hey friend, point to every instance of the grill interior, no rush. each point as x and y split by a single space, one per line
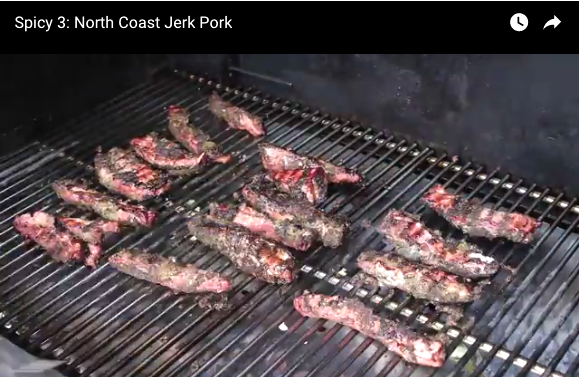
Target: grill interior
104 323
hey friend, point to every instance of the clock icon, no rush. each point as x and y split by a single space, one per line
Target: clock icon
519 22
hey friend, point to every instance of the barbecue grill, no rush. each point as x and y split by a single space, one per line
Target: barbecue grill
105 323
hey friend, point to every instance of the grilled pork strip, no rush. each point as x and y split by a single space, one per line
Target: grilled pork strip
279 159
123 173
186 278
478 221
166 154
95 253
280 206
41 228
192 138
250 253
280 231
411 346
309 184
92 232
423 282
79 194
415 242
236 117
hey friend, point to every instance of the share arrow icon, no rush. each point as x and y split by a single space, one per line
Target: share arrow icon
553 22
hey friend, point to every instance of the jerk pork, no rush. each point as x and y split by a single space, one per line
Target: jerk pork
79 194
122 172
279 159
192 138
284 232
165 154
308 184
92 232
236 117
478 221
411 346
420 281
414 241
249 252
185 278
280 206
41 228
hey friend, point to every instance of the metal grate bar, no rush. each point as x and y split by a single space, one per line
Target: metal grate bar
531 303
523 285
69 136
573 335
80 268
294 326
106 323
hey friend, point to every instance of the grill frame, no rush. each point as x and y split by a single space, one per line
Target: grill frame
355 137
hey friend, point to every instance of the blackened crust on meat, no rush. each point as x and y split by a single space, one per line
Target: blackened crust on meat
423 282
41 228
95 252
414 241
165 154
285 232
308 184
250 253
79 194
236 117
263 196
478 221
278 159
123 173
411 346
186 278
192 138
93 232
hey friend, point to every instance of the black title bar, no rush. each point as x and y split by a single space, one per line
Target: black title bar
440 26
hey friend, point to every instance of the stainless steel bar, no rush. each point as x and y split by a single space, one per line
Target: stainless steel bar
399 307
549 338
519 290
196 192
69 276
532 300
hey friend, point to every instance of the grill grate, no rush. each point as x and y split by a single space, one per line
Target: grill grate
104 323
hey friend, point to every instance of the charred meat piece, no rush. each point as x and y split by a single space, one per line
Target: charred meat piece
166 154
93 232
236 117
279 206
79 194
411 346
248 252
122 172
95 252
279 159
423 282
478 221
186 278
414 241
192 138
42 229
284 232
308 184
